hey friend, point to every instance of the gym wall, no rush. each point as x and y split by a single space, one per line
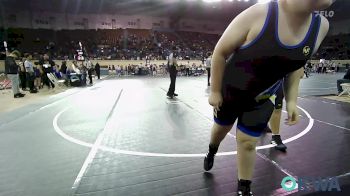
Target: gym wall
58 21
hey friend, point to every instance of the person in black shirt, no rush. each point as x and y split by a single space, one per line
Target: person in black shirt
47 65
98 70
346 79
63 68
257 54
22 75
11 71
63 71
307 68
172 63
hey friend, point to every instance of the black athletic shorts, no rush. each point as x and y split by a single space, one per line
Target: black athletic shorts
253 114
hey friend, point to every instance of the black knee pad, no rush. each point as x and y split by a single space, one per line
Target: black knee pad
279 98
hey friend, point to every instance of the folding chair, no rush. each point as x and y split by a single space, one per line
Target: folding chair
4 82
346 89
74 80
54 80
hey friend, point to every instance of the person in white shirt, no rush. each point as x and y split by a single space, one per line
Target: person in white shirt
90 68
119 70
208 66
188 66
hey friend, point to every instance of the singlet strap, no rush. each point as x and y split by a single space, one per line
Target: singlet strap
273 7
314 34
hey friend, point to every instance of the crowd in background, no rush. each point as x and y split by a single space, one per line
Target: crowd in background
116 44
126 44
32 75
184 69
135 44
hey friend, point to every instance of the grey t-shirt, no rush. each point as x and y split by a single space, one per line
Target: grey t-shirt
29 66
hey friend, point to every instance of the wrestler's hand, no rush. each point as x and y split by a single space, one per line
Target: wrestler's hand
215 100
293 114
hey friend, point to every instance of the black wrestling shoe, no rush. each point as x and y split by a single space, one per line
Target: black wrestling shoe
19 95
243 188
209 161
170 96
209 158
276 140
176 95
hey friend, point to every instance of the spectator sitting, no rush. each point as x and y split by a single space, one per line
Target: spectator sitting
346 79
56 71
74 68
47 66
63 69
73 74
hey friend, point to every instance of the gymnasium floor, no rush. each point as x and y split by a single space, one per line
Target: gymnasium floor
124 137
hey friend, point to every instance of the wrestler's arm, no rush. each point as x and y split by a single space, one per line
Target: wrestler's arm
292 80
234 37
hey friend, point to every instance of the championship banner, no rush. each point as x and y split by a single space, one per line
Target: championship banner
41 21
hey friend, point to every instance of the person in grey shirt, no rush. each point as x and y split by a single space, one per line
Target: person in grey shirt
11 71
30 73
